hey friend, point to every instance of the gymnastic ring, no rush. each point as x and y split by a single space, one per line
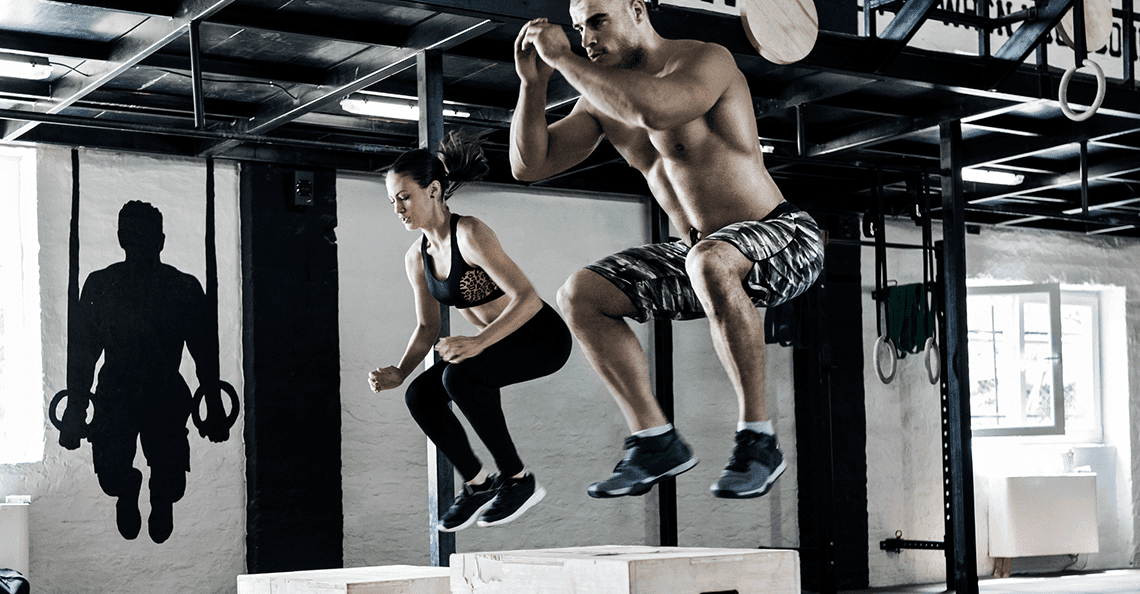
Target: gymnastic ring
53 416
888 377
200 394
1063 93
933 360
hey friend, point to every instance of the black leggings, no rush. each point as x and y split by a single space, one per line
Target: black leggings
539 347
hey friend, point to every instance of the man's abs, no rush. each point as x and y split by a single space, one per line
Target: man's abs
708 196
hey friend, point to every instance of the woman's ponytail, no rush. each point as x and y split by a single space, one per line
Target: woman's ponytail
459 160
463 161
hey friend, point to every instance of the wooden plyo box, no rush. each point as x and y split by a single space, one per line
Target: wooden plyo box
388 579
627 570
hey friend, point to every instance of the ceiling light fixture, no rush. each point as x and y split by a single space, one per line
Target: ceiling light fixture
24 66
988 176
391 109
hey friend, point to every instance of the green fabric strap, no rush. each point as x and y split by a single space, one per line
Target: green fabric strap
910 321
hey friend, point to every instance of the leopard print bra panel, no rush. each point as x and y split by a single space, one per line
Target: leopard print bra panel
466 286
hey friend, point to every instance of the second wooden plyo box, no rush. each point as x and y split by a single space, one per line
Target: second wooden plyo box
627 570
387 579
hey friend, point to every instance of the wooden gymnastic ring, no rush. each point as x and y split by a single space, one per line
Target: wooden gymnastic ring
1063 93
933 360
876 356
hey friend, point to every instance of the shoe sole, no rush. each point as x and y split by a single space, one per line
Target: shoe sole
644 486
539 493
474 517
758 492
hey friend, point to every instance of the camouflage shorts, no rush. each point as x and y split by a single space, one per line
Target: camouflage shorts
786 249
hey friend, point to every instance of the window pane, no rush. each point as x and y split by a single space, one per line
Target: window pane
1078 334
992 348
1037 366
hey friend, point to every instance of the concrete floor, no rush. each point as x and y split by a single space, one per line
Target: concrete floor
1122 581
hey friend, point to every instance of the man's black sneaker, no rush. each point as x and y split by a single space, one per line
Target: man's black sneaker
513 497
647 461
468 506
755 464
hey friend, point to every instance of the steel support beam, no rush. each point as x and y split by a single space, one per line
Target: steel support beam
993 151
54 46
1128 45
441 474
1104 170
557 11
1025 39
895 128
160 8
1070 216
662 366
351 31
214 135
813 88
241 71
30 90
196 75
906 23
150 36
366 68
958 468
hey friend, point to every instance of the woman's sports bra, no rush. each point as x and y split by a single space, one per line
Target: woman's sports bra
466 286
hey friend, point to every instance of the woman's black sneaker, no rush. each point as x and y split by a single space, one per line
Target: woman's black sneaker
468 506
514 496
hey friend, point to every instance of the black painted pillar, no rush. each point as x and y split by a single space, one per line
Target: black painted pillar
441 474
291 356
961 547
661 372
831 422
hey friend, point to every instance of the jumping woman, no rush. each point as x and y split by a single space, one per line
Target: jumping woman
459 262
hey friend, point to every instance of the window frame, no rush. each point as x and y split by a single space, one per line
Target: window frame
1091 298
1053 292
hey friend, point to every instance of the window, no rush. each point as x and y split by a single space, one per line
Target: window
21 367
1034 361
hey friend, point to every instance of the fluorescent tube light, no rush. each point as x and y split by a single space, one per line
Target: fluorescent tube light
988 176
24 66
397 110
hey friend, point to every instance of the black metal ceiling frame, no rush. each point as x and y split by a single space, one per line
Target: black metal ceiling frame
1040 19
366 68
150 36
858 62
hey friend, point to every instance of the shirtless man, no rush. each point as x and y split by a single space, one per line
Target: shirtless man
680 112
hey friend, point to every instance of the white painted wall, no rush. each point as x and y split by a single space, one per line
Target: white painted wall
903 441
75 546
567 428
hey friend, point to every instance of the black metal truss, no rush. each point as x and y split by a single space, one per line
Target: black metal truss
844 75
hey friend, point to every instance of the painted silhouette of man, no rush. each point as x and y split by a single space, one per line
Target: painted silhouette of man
138 314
